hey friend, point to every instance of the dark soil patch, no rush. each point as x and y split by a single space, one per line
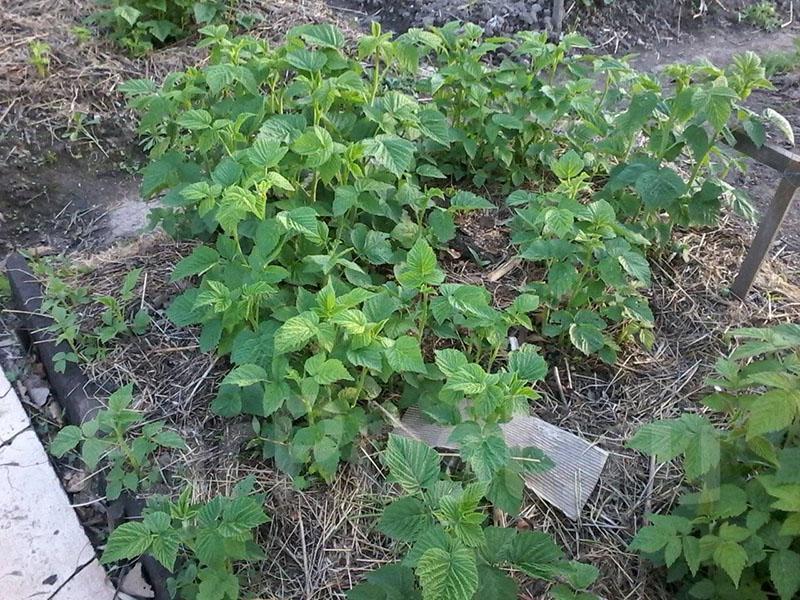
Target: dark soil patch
57 195
622 24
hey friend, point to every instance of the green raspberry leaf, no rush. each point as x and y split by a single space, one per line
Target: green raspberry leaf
732 558
527 363
405 519
391 152
420 268
129 540
295 333
405 355
245 375
448 574
65 440
663 439
784 572
412 464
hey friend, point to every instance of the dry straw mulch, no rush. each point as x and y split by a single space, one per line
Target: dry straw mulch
323 539
83 76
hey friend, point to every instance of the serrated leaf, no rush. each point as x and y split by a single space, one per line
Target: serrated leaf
245 375
434 125
198 262
495 584
240 515
164 548
484 449
506 490
663 439
448 574
450 361
772 411
651 539
217 584
315 144
65 440
406 355
420 268
780 122
531 460
412 464
527 363
755 131
169 439
129 540
535 553
636 265
785 573
352 320
303 220
586 338
266 152
464 201
303 59
391 152
295 333
323 35
568 166
659 188
732 558
426 170
558 221
195 120
93 450
702 452
405 519
331 371
442 225
227 172
692 553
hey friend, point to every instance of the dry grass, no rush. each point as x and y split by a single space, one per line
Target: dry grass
83 76
323 539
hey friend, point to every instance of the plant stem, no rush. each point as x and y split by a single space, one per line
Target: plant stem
360 385
423 319
376 78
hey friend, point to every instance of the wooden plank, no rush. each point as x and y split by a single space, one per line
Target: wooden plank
765 235
787 163
558 18
567 486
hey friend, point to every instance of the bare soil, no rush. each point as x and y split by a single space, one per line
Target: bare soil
55 196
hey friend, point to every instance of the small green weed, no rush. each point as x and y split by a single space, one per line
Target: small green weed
117 317
763 15
780 62
82 34
40 57
119 435
197 542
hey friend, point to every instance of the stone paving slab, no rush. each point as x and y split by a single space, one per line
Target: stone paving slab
43 543
13 418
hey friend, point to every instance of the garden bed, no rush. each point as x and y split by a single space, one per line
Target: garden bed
323 539
356 252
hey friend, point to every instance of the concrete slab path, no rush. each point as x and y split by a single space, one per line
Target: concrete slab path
45 552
